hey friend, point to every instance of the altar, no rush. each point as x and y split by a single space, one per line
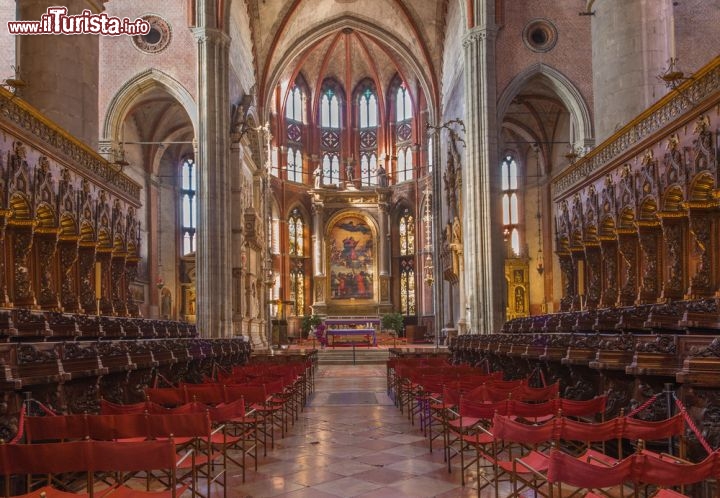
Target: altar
370 333
352 326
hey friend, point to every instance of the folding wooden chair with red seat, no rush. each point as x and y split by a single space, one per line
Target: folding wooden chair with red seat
239 435
566 469
257 417
208 394
109 408
468 432
89 457
166 396
48 460
529 467
146 456
204 458
275 406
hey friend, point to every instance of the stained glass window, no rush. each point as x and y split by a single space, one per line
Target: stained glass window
368 114
297 287
403 136
188 193
295 232
511 202
407 234
294 165
331 169
293 108
407 287
404 104
329 110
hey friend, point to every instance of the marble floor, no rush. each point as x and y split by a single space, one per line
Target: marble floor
351 441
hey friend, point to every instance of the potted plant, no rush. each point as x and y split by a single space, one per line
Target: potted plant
393 322
308 324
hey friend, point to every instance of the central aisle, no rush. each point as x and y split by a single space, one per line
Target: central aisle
351 441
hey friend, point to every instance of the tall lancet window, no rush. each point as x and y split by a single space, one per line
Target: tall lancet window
293 128
330 137
188 191
293 108
511 203
296 230
368 110
406 230
403 135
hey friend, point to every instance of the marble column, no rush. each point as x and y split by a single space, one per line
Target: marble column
482 247
319 283
214 237
72 99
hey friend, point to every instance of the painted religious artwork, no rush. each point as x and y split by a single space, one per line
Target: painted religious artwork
352 259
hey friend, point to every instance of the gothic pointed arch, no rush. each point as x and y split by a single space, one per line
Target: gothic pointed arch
132 89
568 93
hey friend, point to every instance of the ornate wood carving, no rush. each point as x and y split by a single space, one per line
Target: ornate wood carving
702 282
46 245
568 282
131 271
673 284
593 261
650 288
86 261
22 289
68 257
3 286
118 287
704 148
609 254
627 246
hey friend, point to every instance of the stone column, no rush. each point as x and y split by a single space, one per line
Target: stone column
319 283
482 247
72 98
631 45
214 238
648 236
237 157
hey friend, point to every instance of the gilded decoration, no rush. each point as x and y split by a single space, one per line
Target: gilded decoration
351 250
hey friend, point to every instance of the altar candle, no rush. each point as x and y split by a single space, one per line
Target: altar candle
98 278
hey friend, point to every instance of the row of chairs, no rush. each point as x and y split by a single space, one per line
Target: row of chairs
96 461
505 437
200 442
210 425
